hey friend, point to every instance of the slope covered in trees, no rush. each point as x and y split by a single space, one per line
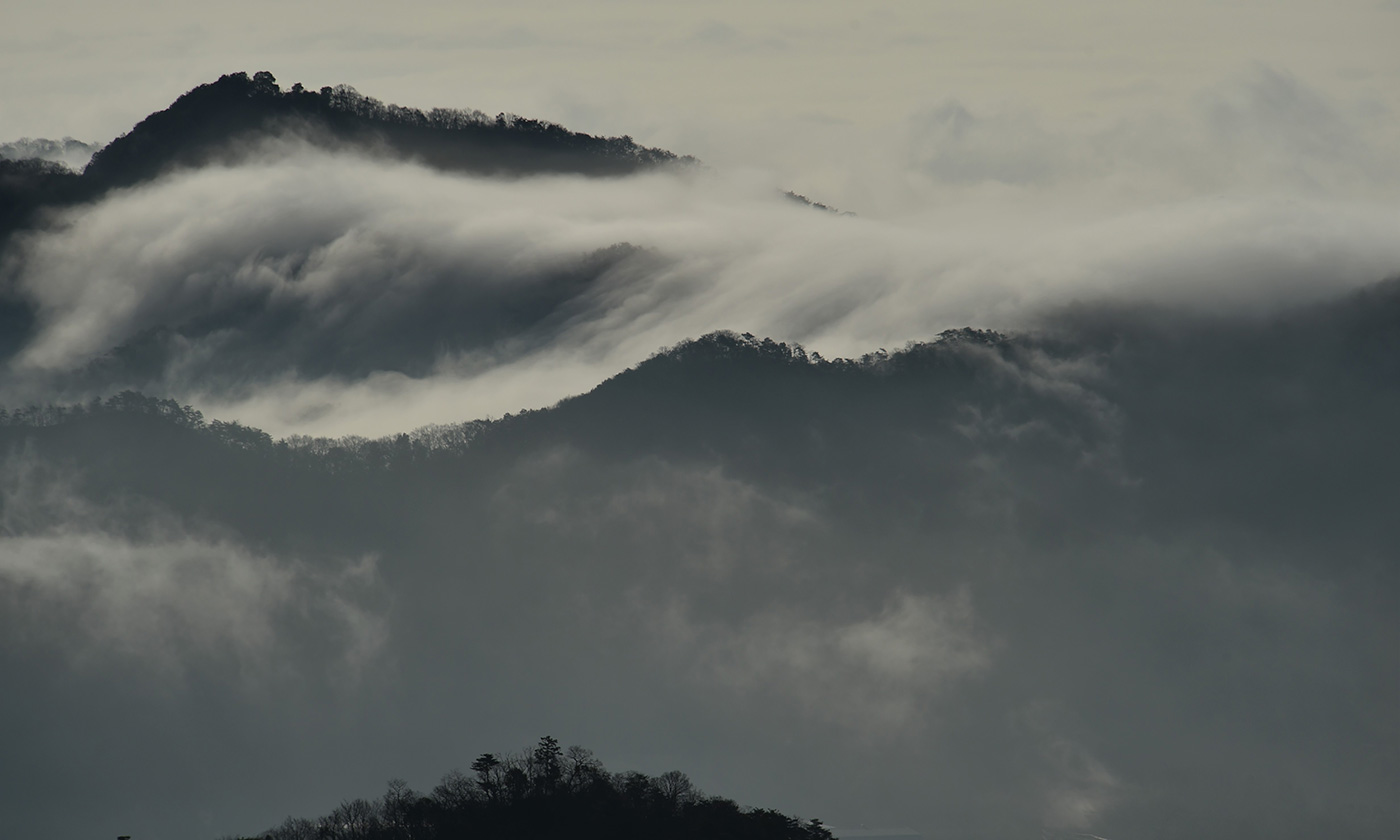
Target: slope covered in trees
227 120
544 794
204 124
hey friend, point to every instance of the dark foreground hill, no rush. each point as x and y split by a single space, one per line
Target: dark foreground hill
545 794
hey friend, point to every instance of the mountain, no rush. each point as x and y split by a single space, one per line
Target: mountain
986 563
230 119
234 119
1100 397
225 120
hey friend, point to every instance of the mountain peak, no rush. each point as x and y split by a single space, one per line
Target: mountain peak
222 119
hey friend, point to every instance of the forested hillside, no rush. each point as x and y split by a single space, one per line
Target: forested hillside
548 792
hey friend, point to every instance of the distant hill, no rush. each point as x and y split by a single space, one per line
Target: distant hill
220 119
224 121
73 153
773 411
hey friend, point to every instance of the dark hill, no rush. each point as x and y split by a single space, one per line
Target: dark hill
223 120
1066 411
549 793
205 123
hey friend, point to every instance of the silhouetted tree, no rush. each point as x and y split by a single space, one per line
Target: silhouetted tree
546 766
487 768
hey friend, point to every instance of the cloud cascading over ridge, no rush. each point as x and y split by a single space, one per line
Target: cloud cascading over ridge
301 289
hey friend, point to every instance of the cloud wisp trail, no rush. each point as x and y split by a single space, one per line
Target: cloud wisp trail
304 293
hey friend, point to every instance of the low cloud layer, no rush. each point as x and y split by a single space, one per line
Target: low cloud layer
875 675
132 588
306 292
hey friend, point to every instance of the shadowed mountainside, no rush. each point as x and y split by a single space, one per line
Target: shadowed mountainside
1096 398
995 557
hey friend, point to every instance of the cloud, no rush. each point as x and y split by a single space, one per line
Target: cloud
306 293
1261 131
1086 788
129 583
951 144
717 35
716 528
875 675
74 153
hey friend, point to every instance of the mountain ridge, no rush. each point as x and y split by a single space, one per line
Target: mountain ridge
221 121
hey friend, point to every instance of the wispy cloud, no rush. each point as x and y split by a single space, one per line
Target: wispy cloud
306 293
127 584
876 676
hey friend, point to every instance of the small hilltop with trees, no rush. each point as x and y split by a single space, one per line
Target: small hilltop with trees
548 792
